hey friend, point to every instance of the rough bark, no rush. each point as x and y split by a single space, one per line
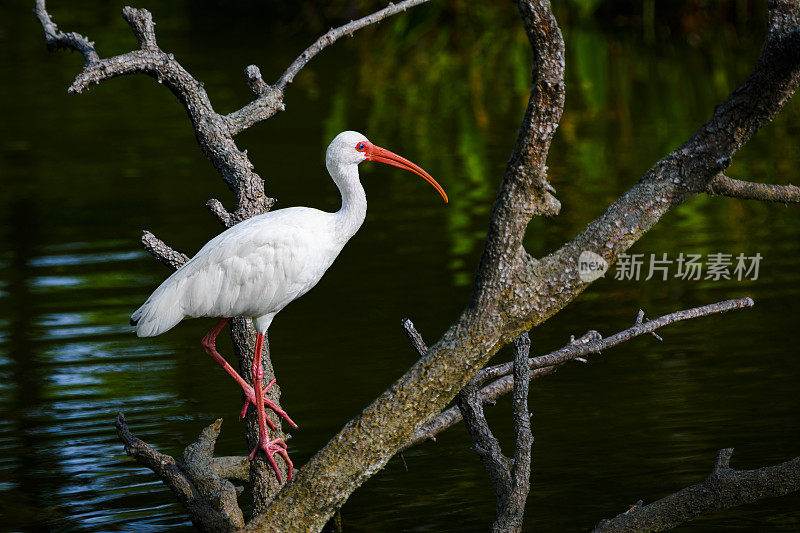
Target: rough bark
722 489
513 291
747 190
200 482
510 476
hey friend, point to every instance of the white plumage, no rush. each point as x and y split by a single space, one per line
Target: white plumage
254 269
260 265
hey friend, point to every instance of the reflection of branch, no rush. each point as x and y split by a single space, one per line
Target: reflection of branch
749 190
722 489
590 343
198 480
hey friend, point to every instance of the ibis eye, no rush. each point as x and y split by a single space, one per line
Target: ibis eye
361 147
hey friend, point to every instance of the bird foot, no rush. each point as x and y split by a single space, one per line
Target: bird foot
251 399
270 448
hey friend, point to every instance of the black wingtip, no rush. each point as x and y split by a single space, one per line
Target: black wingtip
134 322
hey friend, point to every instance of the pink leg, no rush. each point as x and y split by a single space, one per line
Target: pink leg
269 447
268 403
210 347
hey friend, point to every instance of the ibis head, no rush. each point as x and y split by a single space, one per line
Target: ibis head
351 148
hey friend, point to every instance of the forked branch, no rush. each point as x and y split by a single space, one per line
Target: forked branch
198 480
510 476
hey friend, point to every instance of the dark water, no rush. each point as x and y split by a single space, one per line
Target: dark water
444 85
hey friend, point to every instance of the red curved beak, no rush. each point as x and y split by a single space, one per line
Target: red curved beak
382 155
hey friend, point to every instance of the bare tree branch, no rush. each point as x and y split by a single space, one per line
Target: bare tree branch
512 510
722 489
165 255
209 499
497 465
510 477
335 34
590 343
56 39
596 345
269 99
211 129
525 191
749 190
414 337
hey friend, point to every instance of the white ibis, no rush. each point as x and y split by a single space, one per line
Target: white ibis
258 266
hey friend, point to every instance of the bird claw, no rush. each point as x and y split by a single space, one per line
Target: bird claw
251 399
270 448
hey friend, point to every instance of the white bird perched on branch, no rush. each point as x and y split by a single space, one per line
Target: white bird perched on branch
258 266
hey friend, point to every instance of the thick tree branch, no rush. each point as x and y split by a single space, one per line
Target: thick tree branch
525 191
722 489
748 190
543 365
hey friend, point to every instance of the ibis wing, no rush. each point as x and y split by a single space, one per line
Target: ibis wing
255 267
